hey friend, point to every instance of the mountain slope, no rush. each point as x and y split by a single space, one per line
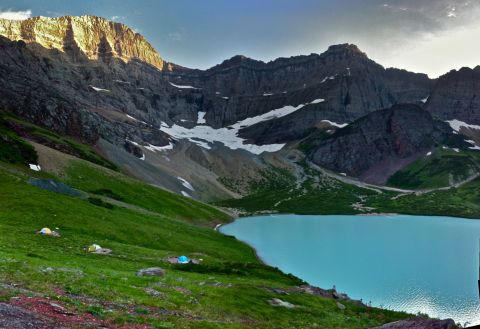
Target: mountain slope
377 145
62 285
351 83
163 123
455 96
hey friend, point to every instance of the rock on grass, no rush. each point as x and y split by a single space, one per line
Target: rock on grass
152 271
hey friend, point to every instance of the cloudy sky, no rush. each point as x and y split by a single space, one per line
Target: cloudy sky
430 36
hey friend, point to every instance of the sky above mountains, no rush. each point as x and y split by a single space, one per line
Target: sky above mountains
430 36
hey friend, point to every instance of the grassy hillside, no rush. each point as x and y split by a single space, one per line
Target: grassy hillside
441 168
459 202
13 149
143 225
104 182
21 128
319 194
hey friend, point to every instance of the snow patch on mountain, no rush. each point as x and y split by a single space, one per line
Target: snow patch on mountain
35 167
137 120
448 148
339 125
201 118
474 147
154 148
132 142
121 81
183 87
457 125
151 147
185 183
203 135
328 78
99 89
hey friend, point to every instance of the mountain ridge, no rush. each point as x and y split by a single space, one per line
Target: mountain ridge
144 117
94 36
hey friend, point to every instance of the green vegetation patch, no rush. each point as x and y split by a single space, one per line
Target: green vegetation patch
13 149
442 168
51 139
460 202
102 181
316 193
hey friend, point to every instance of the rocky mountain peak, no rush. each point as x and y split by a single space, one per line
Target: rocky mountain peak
235 61
392 138
345 50
93 36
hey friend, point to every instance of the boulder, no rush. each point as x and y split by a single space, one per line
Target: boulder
152 271
420 323
280 303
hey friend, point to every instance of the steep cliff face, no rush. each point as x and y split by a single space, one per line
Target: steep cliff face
94 37
351 84
377 145
457 96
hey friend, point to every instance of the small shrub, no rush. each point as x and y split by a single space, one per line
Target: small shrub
100 203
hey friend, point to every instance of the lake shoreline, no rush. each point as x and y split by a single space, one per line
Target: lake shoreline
427 220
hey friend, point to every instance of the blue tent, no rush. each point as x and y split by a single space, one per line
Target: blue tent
183 260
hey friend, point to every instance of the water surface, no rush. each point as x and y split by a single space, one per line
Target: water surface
409 263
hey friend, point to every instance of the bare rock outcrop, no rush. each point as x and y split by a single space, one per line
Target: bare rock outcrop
379 144
95 37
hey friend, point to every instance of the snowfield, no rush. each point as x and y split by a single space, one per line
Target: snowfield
204 135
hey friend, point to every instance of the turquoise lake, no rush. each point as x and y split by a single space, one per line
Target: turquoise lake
409 263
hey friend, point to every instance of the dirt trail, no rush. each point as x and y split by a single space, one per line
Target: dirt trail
380 189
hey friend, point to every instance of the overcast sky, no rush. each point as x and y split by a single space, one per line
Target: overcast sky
430 36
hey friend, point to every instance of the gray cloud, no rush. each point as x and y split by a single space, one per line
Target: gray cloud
405 19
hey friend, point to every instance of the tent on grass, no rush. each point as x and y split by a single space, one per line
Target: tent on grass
183 260
49 232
